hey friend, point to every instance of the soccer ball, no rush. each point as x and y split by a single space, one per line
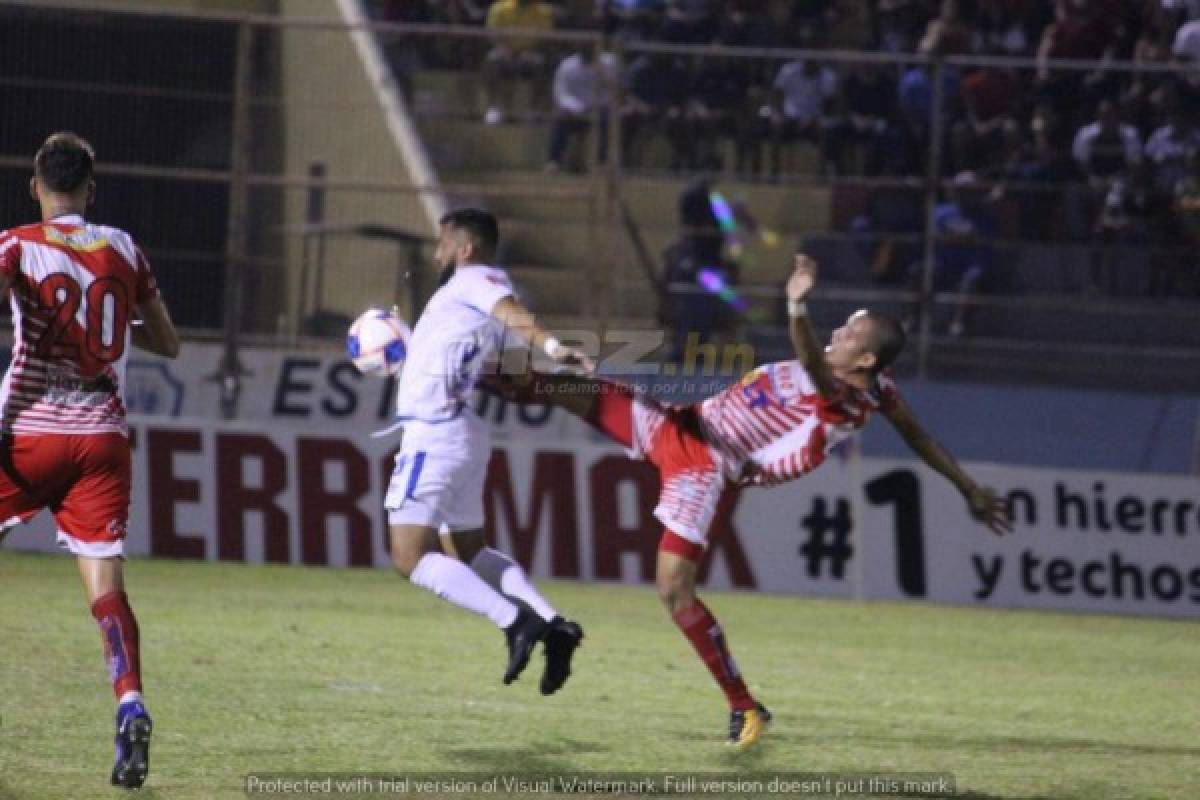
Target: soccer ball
378 342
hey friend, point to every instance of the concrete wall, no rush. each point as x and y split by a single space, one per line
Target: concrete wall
332 114
320 106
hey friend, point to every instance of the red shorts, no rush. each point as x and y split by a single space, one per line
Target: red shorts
84 480
692 479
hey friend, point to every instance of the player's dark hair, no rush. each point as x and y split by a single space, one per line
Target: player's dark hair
478 224
64 162
889 340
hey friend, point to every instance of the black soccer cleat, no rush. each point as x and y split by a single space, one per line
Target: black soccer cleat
523 635
747 727
561 640
132 742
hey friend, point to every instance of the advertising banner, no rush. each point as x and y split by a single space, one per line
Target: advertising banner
875 528
319 388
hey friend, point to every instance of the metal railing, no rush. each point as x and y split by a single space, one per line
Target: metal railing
261 256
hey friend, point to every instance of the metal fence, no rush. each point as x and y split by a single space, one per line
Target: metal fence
228 174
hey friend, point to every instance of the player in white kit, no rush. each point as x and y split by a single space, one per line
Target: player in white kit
437 485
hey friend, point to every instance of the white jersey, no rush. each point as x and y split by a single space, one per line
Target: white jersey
453 338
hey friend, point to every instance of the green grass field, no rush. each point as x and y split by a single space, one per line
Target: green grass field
279 669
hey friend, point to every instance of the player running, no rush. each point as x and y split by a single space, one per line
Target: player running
778 424
438 480
76 289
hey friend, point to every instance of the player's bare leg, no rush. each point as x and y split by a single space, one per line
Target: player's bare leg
417 554
506 576
104 585
675 577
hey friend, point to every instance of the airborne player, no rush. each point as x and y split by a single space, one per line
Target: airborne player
437 484
776 425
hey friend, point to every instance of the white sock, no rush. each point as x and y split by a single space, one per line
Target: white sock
506 576
451 580
130 697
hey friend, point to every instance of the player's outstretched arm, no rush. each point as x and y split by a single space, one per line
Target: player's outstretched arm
804 341
985 506
521 321
157 332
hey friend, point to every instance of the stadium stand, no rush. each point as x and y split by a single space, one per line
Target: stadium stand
1083 206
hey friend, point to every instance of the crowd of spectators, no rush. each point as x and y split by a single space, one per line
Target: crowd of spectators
1087 153
1021 124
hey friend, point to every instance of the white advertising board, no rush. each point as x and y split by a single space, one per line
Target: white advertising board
881 529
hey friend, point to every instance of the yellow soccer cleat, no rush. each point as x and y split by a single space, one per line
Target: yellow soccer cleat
746 727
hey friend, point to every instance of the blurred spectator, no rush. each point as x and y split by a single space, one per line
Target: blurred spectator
988 135
897 24
810 22
1186 53
800 106
1126 211
513 58
631 20
699 249
1043 166
947 34
457 52
1003 29
850 25
1188 9
962 253
1084 30
1106 148
1131 213
868 97
656 96
1186 45
1186 205
463 12
404 55
1172 149
907 140
914 93
905 146
746 23
689 22
889 232
581 87
718 108
1144 90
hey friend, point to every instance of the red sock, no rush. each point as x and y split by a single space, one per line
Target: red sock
612 413
119 632
704 632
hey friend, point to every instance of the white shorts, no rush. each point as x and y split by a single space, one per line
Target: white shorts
436 490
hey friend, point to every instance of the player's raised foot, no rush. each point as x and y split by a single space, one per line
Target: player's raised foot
523 635
561 640
132 745
747 727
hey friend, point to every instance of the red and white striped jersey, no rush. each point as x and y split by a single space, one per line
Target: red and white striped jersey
775 422
73 287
